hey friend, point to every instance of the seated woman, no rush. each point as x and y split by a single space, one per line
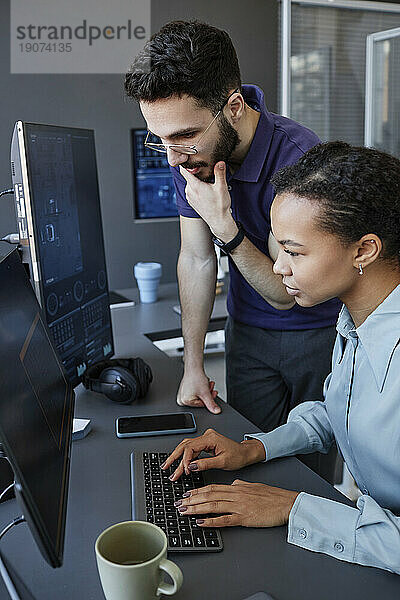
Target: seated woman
336 220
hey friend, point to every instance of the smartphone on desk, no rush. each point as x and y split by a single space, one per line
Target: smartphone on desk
147 425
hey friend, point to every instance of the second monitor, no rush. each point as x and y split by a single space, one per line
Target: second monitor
60 228
154 188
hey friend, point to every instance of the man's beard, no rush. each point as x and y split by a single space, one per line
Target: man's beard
226 144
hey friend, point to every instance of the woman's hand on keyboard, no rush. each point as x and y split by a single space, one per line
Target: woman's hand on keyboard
226 454
242 503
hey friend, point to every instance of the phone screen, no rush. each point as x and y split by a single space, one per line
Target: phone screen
150 423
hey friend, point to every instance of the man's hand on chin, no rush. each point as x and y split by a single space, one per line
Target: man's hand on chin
212 201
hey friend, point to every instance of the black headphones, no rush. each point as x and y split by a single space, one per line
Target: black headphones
123 380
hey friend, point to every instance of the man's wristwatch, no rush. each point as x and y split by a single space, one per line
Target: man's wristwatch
229 246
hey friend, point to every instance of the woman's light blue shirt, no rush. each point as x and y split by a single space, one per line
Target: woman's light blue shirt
361 412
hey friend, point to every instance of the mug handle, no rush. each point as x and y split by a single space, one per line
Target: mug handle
176 575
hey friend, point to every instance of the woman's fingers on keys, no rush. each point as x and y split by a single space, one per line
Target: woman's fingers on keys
190 451
188 455
175 454
190 448
177 473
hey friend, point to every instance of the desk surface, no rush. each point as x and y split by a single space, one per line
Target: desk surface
99 495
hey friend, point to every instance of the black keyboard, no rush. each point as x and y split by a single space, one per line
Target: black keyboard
160 494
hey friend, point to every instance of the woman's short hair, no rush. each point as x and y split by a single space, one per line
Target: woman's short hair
357 188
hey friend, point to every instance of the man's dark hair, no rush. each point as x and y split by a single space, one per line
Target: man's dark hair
358 190
185 57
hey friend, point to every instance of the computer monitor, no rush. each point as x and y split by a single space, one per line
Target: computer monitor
154 188
36 410
55 182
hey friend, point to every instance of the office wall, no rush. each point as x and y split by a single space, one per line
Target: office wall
97 101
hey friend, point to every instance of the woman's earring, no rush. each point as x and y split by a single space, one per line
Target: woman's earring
360 269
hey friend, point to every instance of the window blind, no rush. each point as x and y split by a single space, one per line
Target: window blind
327 67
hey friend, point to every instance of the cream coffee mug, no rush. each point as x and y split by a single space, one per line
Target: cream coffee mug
131 558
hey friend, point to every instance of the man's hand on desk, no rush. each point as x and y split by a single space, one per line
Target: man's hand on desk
198 391
227 454
242 503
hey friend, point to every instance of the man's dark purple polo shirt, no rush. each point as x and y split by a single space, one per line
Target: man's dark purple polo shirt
277 142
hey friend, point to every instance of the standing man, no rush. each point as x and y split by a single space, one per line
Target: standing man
223 146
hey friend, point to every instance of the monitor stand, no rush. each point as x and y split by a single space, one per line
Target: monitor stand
14 584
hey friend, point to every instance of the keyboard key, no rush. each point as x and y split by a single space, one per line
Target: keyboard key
210 534
172 523
173 531
198 540
187 541
184 529
212 543
174 541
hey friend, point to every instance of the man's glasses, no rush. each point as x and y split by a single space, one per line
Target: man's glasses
158 147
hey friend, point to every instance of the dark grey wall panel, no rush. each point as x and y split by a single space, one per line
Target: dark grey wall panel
97 101
252 25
